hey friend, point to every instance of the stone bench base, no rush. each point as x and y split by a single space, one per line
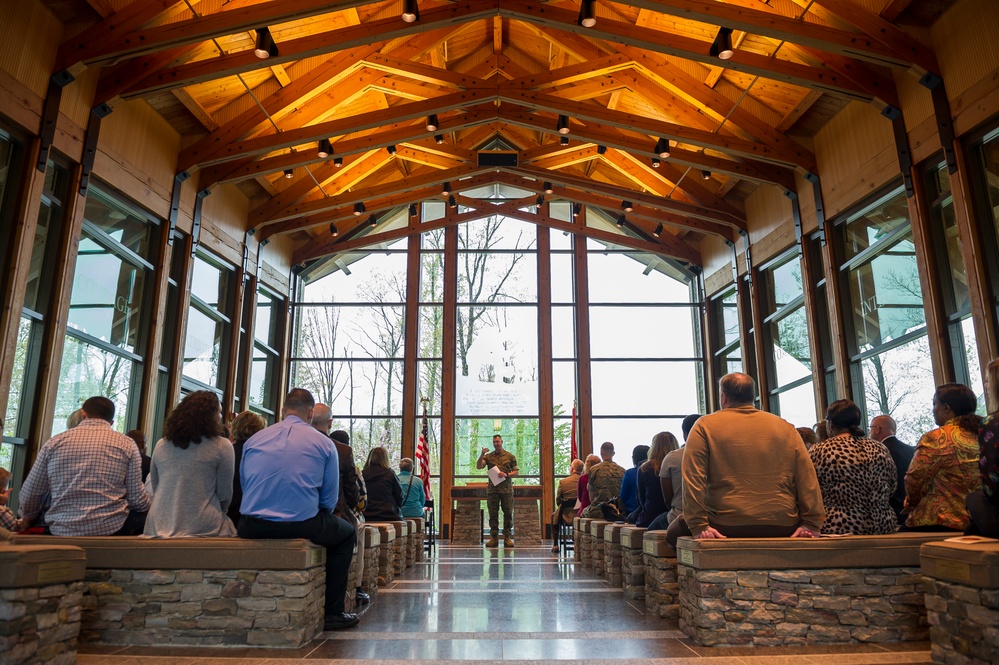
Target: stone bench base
369 576
597 545
612 553
633 562
661 588
388 552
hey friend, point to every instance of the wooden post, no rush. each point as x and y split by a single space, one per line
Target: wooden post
837 325
410 386
283 336
584 411
232 353
157 329
546 396
449 350
759 337
180 331
710 326
929 282
22 242
812 321
246 355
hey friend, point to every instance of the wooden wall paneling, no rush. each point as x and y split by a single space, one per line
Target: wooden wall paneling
929 281
584 386
54 339
410 373
546 391
972 249
449 350
22 240
157 329
183 307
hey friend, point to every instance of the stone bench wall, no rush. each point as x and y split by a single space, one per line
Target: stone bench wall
597 545
372 550
612 553
400 547
661 588
586 544
387 553
577 534
633 562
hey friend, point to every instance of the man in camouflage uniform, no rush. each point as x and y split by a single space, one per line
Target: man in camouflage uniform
502 494
604 481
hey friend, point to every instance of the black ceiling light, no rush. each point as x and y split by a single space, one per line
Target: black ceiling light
265 46
662 148
564 140
358 209
453 202
432 123
372 221
656 162
659 230
334 231
439 139
325 148
412 210
391 149
601 149
577 209
289 173
563 124
626 206
445 189
621 219
540 201
411 12
706 174
587 13
548 188
338 162
721 47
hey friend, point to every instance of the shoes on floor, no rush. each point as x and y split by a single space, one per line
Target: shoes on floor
492 542
508 542
362 598
554 549
340 621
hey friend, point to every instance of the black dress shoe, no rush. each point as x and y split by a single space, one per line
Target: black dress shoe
340 621
362 598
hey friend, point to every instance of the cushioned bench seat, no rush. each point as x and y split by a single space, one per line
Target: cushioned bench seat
788 591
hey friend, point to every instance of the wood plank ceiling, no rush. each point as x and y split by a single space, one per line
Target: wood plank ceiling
497 73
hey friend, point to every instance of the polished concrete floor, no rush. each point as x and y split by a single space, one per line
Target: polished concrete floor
511 606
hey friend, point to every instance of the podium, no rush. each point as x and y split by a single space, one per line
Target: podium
470 517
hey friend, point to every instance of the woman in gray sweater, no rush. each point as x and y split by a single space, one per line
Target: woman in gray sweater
190 479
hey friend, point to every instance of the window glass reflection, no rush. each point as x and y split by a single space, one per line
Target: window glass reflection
88 370
899 382
203 347
123 224
875 223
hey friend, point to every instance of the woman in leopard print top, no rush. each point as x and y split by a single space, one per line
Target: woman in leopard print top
856 474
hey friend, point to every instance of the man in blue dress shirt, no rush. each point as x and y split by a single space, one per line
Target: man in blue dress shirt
290 477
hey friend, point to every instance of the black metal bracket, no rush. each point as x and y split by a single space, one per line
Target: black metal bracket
246 250
50 116
199 202
796 216
749 257
820 210
735 260
941 110
904 154
178 181
97 115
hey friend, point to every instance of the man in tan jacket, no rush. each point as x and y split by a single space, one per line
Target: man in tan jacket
746 474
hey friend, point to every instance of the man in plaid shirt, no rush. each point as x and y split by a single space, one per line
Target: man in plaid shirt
94 477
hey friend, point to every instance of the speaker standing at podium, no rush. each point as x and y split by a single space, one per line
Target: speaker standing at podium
501 494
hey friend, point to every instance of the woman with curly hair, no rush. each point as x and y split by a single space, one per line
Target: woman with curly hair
190 478
243 427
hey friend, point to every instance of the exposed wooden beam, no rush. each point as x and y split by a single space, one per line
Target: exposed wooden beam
424 73
799 109
573 73
894 9
196 109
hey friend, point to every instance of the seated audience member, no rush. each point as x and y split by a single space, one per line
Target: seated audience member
654 502
140 443
604 481
628 492
242 427
93 476
75 418
290 475
565 499
883 430
582 491
856 475
983 506
808 437
671 479
7 519
413 496
191 475
746 474
384 491
820 431
944 468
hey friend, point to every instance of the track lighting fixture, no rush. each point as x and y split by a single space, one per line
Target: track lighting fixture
662 148
452 202
391 149
721 47
372 221
334 231
358 209
626 206
411 12
548 188
338 162
587 13
439 139
659 230
564 140
656 162
432 123
601 149
445 189
563 124
265 46
621 219
412 210
540 201
577 209
706 174
325 148
289 173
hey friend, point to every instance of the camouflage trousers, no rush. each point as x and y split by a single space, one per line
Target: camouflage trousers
495 501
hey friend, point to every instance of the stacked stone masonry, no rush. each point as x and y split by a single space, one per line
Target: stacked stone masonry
418 541
387 554
964 623
40 624
633 562
279 608
597 545
612 554
372 542
661 588
793 607
586 545
577 534
400 547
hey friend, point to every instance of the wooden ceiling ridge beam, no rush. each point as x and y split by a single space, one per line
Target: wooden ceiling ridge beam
621 32
425 73
461 13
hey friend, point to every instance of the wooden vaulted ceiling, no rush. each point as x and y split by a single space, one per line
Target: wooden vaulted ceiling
496 72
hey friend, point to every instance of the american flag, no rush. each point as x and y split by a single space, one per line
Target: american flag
423 455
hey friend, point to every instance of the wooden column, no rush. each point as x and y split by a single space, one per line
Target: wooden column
709 346
929 282
54 339
812 321
157 330
232 353
410 371
972 250
743 308
759 338
186 247
449 351
546 394
246 355
283 336
584 391
837 324
22 241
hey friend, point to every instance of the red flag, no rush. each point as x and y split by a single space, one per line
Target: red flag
423 455
573 454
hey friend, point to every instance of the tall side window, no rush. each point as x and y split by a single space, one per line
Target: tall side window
263 372
209 325
728 356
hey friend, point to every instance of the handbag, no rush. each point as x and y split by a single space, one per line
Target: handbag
612 511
